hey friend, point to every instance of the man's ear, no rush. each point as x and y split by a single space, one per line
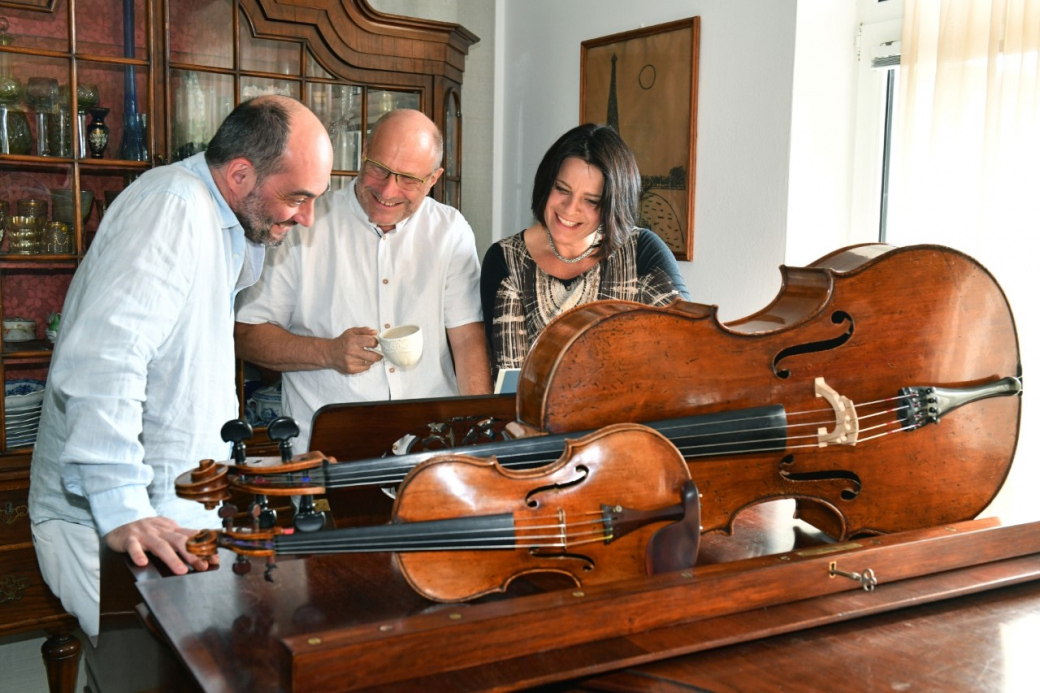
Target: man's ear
240 176
435 177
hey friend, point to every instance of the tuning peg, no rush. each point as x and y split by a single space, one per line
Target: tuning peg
237 432
307 518
282 429
242 565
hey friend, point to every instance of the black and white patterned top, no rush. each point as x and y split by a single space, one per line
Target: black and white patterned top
519 298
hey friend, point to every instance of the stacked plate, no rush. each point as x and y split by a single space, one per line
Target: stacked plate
23 400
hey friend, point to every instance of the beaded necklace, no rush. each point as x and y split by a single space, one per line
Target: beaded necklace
570 261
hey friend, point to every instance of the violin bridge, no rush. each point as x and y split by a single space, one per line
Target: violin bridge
846 422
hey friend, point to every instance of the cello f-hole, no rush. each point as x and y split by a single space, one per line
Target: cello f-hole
839 317
848 480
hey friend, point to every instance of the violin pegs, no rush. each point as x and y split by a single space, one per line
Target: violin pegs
308 520
282 430
269 569
264 515
237 432
242 565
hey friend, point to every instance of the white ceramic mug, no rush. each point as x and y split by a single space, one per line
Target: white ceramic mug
401 345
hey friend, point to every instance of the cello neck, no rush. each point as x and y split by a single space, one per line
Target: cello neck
724 433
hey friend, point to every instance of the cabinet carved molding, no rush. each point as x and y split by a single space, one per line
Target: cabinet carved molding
349 37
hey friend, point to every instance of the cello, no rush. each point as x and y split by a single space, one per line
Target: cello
873 321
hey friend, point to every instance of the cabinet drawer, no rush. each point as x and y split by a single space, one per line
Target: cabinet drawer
14 517
25 599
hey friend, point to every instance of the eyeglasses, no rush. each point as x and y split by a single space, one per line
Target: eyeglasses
376 170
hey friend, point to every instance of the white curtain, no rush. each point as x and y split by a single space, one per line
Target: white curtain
966 155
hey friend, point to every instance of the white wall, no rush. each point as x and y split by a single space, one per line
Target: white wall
522 82
744 125
822 122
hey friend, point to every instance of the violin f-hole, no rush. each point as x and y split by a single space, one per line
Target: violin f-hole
533 502
587 564
839 317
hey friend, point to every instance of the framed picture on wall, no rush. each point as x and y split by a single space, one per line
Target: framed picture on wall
643 83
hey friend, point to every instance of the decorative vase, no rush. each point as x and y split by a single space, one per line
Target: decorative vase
132 147
97 133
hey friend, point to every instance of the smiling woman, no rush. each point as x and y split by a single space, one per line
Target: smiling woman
586 245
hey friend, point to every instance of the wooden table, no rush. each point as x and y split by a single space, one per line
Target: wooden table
347 621
954 608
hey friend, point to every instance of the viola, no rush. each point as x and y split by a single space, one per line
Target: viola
463 527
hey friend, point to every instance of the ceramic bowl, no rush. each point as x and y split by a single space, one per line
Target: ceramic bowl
61 205
265 405
22 393
19 330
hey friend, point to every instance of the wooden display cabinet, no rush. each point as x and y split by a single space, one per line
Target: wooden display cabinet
167 79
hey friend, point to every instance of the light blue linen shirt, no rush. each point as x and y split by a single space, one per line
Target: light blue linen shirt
142 376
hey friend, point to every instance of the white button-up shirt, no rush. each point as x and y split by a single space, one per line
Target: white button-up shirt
345 272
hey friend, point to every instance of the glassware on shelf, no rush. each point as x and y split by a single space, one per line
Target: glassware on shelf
97 132
62 205
345 129
194 105
41 95
56 239
32 207
15 135
22 235
86 97
132 147
59 131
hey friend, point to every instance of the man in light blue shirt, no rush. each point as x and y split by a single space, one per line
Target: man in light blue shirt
142 376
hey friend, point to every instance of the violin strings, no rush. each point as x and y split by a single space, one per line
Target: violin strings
342 476
529 533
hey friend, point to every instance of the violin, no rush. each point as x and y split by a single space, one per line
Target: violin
463 527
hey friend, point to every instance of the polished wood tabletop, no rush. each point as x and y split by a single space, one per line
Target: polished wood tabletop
956 608
233 632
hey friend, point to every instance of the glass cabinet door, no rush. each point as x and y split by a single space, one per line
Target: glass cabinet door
201 101
338 106
205 84
452 176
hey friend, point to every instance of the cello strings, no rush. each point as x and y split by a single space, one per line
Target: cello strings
393 473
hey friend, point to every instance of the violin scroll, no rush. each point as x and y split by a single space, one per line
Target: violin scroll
243 541
207 484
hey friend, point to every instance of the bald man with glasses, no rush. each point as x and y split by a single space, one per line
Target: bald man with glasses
381 253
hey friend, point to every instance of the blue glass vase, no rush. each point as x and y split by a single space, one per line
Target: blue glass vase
132 147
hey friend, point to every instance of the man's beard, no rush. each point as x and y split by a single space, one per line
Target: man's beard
257 223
